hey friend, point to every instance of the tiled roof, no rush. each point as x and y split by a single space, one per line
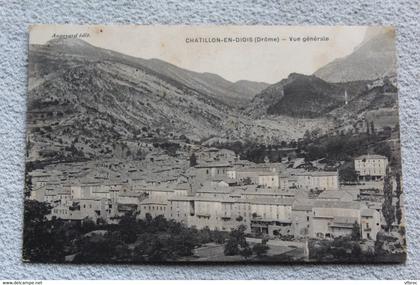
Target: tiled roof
317 173
371 156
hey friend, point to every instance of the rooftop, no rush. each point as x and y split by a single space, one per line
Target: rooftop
317 173
337 194
337 204
267 201
371 156
213 164
150 201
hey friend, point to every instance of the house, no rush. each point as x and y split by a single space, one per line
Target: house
159 192
204 171
214 213
268 179
371 166
272 217
63 195
215 154
331 219
214 190
38 194
180 209
153 207
301 216
370 223
321 180
339 195
269 175
66 213
95 208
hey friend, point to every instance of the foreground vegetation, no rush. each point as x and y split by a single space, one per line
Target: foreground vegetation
132 240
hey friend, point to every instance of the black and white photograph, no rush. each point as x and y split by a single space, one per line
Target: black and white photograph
201 144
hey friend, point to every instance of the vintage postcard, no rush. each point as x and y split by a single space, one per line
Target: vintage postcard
150 144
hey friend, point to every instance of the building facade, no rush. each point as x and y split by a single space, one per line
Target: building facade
371 166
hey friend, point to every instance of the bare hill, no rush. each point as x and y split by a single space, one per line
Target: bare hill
374 58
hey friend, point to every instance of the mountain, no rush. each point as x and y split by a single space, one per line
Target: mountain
232 94
248 88
86 102
302 96
212 85
96 102
375 57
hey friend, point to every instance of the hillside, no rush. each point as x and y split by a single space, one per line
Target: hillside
374 58
211 85
85 102
302 96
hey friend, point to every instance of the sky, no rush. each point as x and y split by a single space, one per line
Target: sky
265 61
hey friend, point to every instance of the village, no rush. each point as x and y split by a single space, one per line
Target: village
215 189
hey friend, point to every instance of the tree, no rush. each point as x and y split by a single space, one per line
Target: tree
247 181
128 227
347 174
28 183
398 192
383 149
139 154
307 136
260 249
388 210
367 127
231 247
193 160
88 225
236 242
355 232
204 235
102 248
40 242
398 212
372 128
246 252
